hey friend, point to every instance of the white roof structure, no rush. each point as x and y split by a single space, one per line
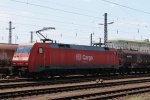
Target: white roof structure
143 46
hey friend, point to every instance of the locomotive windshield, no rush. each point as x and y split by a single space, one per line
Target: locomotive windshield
23 49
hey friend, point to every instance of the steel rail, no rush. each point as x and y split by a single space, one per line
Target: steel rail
44 83
108 94
23 93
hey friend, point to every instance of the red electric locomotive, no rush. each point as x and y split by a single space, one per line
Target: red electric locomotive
59 59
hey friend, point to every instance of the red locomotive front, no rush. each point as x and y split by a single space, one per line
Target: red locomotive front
21 58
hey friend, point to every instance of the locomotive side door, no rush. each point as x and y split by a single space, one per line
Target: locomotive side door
40 62
47 57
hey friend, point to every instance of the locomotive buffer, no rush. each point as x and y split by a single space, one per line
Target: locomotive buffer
44 29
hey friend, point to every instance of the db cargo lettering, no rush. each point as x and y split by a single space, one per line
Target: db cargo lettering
80 57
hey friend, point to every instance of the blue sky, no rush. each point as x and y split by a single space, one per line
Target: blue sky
74 20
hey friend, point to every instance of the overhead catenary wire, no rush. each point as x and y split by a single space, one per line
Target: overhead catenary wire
73 23
60 10
36 25
59 28
77 8
65 5
39 13
71 7
119 21
124 6
41 19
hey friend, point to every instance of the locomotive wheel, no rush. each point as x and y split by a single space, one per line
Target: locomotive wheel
15 71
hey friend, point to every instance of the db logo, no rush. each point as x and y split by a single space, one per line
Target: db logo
78 57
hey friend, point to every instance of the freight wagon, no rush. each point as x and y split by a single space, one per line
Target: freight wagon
133 60
6 55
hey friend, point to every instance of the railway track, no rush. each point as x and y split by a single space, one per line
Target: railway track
31 92
8 86
108 94
14 80
51 82
43 83
30 83
76 78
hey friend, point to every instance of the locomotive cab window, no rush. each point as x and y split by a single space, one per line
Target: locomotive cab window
23 49
40 50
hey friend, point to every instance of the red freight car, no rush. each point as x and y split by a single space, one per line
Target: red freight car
54 59
6 55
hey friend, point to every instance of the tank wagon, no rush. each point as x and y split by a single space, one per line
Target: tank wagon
6 55
59 59
133 60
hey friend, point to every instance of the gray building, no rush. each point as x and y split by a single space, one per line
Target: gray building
143 46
